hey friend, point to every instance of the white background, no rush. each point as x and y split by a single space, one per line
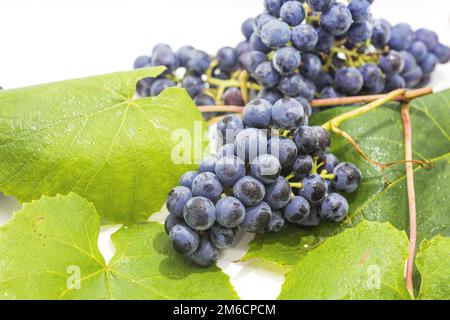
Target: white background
49 40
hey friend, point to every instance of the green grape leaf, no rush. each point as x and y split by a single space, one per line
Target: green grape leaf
48 250
433 263
91 137
365 262
380 135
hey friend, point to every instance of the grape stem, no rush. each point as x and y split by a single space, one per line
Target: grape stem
333 125
316 103
411 197
335 122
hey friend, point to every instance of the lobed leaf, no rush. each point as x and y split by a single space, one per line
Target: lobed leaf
49 251
91 137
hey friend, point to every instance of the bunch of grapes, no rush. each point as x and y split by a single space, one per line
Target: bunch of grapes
310 49
272 169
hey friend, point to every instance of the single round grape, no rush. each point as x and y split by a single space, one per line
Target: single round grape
183 239
347 177
323 80
336 20
161 48
233 97
250 143
183 55
206 254
141 62
208 164
284 149
266 168
292 12
334 207
429 63
177 199
348 80
222 238
442 52
258 113
252 59
226 150
229 169
314 188
271 95
287 114
257 218
308 90
278 193
360 32
247 27
275 33
249 191
419 50
426 79
242 47
305 104
286 60
273 7
409 62
402 36
229 127
171 221
187 178
162 55
230 212
199 213
327 162
276 222
207 185
325 40
304 37
198 62
193 85
410 79
257 44
159 85
261 20
371 74
395 81
227 59
296 210
302 166
323 138
306 139
320 5
377 88
430 38
204 100
329 93
266 75
311 66
381 33
360 10
292 85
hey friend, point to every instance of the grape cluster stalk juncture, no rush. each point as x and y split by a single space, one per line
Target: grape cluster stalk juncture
273 168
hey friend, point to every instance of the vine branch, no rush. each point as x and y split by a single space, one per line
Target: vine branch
411 197
344 101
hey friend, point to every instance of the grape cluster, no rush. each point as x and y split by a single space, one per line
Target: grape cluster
328 49
272 169
310 49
